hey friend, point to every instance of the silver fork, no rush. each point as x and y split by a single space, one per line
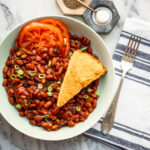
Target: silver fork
126 65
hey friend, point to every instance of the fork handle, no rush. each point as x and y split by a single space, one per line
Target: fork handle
108 121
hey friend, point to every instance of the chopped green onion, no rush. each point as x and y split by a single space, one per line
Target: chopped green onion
57 120
70 54
86 96
20 76
17 58
58 82
32 73
78 108
89 90
18 106
16 66
84 48
21 51
27 103
71 104
20 72
49 88
58 89
13 76
42 76
98 94
52 83
49 63
49 93
45 116
77 42
40 85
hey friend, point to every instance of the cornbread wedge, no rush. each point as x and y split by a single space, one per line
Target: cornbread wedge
82 69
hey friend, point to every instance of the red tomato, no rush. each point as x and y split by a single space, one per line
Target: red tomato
64 31
37 35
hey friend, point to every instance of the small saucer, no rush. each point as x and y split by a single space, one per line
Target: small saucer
68 11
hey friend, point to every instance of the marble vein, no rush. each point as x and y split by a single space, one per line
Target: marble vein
8 15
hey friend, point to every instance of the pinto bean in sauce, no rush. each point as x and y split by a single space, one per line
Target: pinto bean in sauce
29 86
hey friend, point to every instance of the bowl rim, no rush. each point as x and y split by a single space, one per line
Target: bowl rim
113 77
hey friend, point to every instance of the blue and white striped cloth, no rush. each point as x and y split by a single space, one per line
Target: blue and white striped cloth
131 128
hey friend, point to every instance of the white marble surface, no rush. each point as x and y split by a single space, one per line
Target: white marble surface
13 12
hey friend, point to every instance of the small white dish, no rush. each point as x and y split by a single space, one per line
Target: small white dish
106 85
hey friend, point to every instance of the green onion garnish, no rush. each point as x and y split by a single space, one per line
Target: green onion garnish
28 101
32 73
42 76
16 67
52 83
49 63
58 82
49 93
13 77
20 76
58 89
77 42
21 51
17 58
57 120
71 104
20 72
98 94
45 116
70 54
89 90
18 106
86 96
40 85
49 88
84 48
78 108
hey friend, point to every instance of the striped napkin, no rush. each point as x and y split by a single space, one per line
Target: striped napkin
131 128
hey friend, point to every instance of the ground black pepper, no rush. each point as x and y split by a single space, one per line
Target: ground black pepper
73 4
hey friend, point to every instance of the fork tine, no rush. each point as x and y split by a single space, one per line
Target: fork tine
139 41
128 45
133 49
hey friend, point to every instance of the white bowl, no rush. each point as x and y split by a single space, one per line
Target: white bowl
106 85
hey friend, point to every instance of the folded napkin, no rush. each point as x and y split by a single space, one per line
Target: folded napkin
131 128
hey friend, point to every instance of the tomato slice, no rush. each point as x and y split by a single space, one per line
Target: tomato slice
64 31
37 35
